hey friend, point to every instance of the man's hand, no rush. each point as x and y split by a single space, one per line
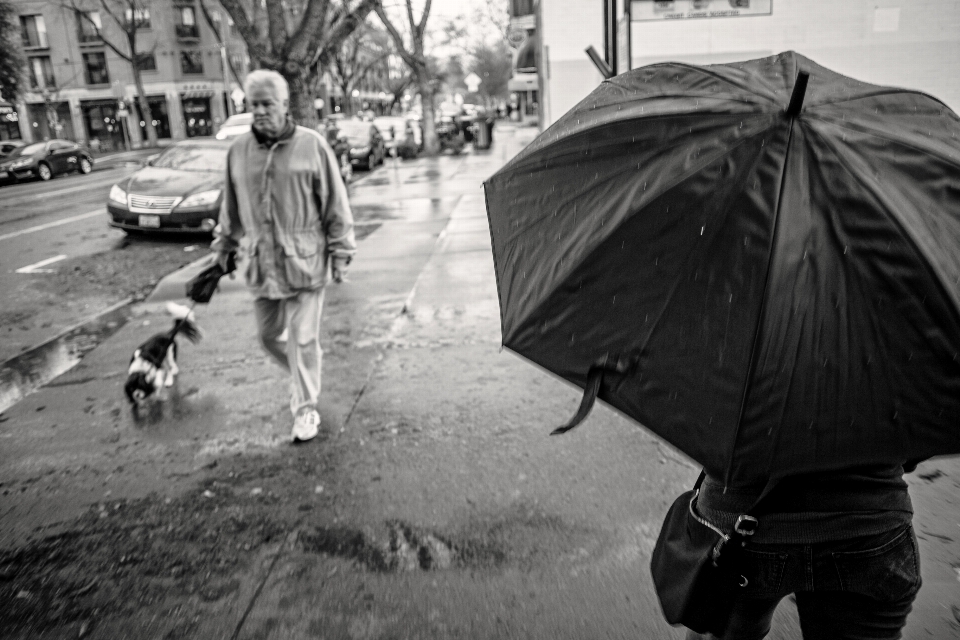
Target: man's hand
338 269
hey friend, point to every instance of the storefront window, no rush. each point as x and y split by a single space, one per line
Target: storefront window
50 120
196 114
161 121
104 130
9 123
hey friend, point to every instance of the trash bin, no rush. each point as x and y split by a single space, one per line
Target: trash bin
481 137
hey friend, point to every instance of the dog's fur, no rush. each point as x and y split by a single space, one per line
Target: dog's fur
153 366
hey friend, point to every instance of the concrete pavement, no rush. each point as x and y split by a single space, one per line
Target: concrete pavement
433 505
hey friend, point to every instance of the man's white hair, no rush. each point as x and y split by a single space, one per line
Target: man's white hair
265 77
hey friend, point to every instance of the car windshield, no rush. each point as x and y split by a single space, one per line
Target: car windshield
30 149
355 131
193 157
239 119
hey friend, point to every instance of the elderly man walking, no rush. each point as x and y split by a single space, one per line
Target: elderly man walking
284 192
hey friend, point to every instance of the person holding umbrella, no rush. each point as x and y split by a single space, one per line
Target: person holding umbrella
283 190
757 262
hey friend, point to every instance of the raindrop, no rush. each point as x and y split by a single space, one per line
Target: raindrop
701 230
844 250
656 261
804 254
731 298
614 299
622 243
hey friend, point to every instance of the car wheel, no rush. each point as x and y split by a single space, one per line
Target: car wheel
43 172
85 166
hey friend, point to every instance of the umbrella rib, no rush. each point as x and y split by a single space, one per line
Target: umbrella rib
880 195
697 168
702 71
882 91
843 124
522 160
763 305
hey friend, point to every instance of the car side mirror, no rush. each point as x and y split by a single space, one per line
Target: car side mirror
150 160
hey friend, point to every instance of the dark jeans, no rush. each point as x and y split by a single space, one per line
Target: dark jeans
845 590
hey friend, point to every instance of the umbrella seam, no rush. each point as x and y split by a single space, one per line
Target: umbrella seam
895 140
518 160
881 91
890 213
696 169
763 305
574 265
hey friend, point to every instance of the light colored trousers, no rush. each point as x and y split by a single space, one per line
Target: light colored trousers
300 354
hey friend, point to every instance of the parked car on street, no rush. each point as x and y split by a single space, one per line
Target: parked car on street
366 144
398 135
180 190
234 126
9 146
45 160
329 129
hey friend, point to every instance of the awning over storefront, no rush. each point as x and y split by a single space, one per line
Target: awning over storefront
526 60
202 93
6 107
523 82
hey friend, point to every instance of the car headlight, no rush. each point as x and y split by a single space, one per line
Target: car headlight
201 199
21 163
118 195
361 150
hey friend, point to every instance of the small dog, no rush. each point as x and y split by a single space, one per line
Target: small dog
153 366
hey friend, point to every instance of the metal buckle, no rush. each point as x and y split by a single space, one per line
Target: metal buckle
746 525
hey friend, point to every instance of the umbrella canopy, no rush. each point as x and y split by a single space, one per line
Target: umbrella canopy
202 286
773 288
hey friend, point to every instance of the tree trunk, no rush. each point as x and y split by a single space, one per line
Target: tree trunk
301 96
431 145
145 112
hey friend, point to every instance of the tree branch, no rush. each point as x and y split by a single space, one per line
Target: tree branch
256 47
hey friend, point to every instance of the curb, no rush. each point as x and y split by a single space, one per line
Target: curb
23 374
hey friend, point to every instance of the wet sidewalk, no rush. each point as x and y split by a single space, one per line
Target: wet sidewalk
432 505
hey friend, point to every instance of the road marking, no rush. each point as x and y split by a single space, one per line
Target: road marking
35 267
50 225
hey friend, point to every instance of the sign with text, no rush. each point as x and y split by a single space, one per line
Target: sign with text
645 10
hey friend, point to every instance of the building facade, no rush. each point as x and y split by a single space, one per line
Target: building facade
905 43
80 89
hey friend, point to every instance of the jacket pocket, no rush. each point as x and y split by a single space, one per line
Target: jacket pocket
889 572
303 260
254 273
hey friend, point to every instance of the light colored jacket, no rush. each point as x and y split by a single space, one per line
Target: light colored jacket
290 201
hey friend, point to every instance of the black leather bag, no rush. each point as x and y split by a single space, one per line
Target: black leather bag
694 566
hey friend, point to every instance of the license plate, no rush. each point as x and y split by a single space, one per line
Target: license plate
149 221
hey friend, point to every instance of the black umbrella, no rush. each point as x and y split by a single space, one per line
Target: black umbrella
202 286
762 270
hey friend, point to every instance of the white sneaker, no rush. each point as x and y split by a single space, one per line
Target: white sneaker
306 425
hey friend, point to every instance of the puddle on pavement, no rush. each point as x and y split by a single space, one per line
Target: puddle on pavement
521 540
25 373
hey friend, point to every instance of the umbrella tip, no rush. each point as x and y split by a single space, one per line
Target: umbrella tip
796 98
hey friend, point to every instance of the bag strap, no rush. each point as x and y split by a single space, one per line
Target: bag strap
746 524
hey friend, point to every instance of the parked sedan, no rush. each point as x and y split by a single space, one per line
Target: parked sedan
365 142
179 190
46 159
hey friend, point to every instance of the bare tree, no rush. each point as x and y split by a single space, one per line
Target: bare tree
129 16
292 38
412 52
365 50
